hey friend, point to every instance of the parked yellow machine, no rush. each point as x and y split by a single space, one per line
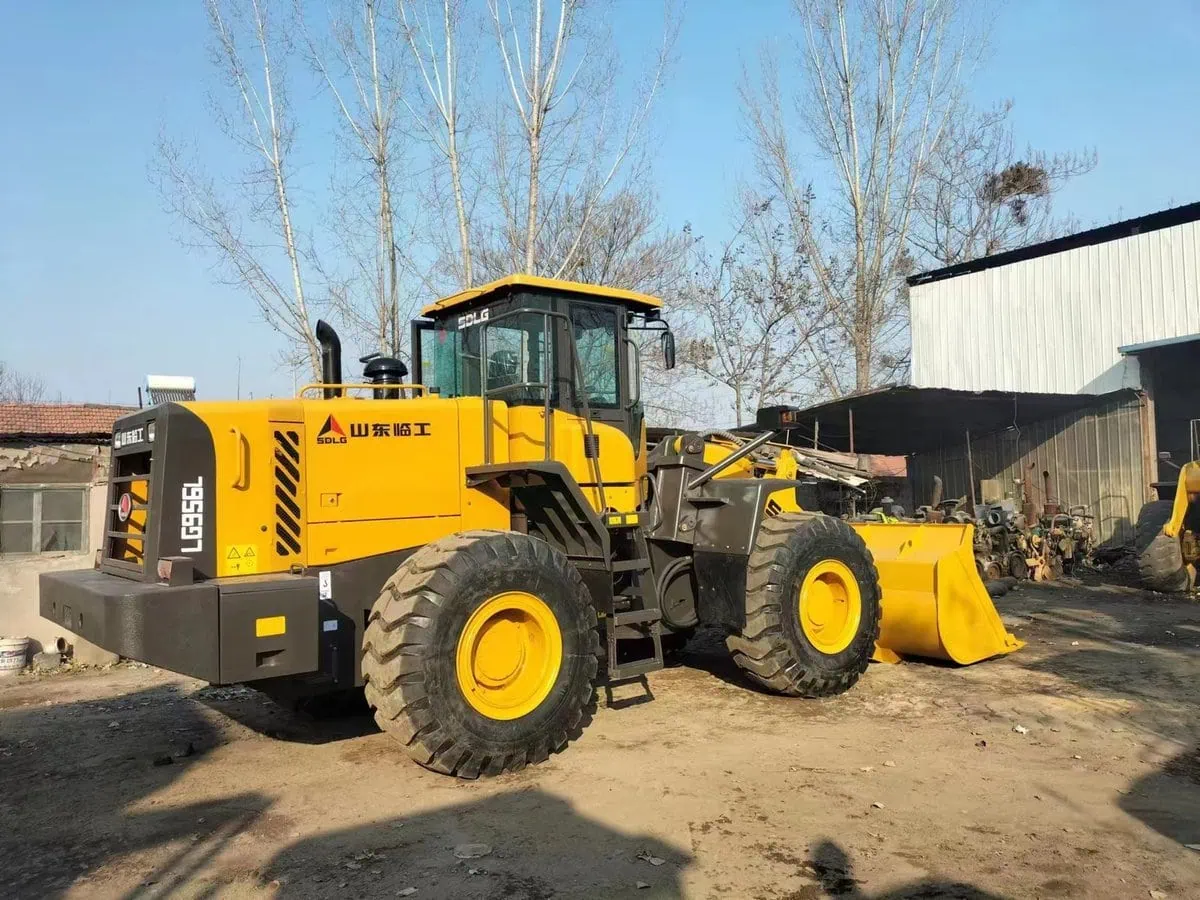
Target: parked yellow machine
1168 535
478 550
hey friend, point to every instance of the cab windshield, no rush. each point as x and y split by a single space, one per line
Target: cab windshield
516 358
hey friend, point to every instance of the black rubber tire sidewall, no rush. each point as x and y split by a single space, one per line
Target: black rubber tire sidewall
1159 557
566 598
809 545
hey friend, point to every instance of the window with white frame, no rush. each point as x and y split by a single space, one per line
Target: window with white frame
43 518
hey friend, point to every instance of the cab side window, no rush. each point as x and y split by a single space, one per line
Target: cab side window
595 331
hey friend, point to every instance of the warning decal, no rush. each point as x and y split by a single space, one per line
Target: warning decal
241 559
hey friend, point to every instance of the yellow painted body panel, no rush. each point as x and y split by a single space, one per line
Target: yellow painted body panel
384 475
375 476
244 446
934 603
1186 493
382 459
617 467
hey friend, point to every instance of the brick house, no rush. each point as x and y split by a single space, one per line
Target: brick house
54 461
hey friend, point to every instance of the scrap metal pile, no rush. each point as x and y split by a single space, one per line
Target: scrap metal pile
1012 539
1025 542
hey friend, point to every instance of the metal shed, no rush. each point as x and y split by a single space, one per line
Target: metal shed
1094 447
1053 316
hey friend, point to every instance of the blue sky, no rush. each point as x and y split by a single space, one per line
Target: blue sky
95 292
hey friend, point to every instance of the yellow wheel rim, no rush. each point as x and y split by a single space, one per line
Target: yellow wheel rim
509 655
830 606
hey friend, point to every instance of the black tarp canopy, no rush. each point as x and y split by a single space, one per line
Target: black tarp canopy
900 419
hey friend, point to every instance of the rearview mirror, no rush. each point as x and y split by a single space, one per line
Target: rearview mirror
668 350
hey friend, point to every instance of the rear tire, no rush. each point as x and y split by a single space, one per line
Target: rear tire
777 650
1159 556
413 651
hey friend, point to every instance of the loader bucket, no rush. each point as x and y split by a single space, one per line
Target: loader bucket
934 603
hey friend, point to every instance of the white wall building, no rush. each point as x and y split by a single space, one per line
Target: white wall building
1066 316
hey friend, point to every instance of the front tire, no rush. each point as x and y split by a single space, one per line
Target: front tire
812 607
480 655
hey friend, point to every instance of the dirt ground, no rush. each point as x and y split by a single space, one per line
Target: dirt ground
914 784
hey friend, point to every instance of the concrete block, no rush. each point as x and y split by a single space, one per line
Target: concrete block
47 661
88 654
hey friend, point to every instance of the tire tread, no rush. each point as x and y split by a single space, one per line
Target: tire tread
398 637
762 650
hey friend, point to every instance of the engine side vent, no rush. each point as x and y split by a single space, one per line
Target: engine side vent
289 514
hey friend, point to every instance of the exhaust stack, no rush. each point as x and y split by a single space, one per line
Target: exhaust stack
331 358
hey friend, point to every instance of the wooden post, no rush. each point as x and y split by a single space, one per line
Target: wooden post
816 433
851 411
970 471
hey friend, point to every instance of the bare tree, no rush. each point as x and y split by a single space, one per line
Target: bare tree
981 196
624 244
881 79
432 31
17 387
250 225
621 243
358 59
755 315
566 139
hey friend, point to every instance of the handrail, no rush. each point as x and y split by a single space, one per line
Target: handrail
635 385
241 448
487 393
548 410
587 420
363 386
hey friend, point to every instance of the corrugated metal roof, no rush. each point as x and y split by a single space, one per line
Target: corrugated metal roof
1055 323
901 419
1167 218
1134 349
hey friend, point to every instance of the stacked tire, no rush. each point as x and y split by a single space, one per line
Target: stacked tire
1159 556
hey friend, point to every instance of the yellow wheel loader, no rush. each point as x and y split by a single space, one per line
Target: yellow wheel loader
482 546
1167 535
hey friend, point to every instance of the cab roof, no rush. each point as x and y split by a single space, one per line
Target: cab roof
631 299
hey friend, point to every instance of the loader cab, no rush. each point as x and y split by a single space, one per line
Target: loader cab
532 341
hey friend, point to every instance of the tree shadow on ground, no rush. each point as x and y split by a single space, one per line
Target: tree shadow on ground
78 783
1168 800
85 781
1139 650
524 843
86 796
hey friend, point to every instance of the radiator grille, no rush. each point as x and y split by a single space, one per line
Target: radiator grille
125 541
288 513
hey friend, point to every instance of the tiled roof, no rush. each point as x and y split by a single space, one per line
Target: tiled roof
58 419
